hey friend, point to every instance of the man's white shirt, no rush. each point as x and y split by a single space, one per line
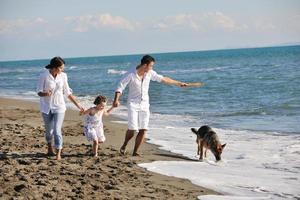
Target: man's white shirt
138 88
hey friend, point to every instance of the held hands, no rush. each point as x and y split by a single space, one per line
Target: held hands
48 93
81 109
116 103
81 112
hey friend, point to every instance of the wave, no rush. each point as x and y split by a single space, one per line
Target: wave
114 71
175 71
264 156
28 95
72 67
241 113
26 78
19 70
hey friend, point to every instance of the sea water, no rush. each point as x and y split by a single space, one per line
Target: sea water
251 98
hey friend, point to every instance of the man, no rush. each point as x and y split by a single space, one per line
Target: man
138 80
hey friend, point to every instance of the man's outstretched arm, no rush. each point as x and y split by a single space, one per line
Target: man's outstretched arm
169 81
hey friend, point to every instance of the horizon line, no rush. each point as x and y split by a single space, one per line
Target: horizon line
155 53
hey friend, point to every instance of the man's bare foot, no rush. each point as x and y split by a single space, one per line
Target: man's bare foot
123 150
94 154
136 154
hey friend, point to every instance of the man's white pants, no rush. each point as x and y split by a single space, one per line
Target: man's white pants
138 118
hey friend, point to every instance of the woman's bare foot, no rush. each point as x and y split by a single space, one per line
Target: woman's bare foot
58 157
58 154
50 151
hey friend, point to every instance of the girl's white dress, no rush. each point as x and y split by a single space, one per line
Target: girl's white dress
93 127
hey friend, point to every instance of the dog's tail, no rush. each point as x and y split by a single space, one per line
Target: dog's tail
194 131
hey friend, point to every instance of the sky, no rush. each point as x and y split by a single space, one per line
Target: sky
41 29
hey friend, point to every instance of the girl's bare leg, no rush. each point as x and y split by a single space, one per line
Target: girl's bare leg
95 148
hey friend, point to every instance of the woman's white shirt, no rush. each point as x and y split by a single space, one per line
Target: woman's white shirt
59 87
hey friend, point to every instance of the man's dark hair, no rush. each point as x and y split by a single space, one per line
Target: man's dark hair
147 60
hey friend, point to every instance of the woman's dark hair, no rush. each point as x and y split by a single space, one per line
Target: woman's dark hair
99 99
147 60
55 63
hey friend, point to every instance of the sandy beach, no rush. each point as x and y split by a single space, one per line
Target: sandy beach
27 173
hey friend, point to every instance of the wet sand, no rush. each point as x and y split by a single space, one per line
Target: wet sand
28 173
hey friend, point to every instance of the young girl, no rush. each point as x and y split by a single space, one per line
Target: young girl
93 125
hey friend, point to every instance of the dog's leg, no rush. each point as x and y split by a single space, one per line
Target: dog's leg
205 152
198 144
201 151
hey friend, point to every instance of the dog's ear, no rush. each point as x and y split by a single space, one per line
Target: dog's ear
194 131
223 146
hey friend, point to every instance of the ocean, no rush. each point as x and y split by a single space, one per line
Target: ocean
251 98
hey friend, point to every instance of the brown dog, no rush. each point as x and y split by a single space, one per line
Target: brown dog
208 139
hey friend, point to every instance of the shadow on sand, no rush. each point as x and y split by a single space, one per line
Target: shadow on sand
177 156
37 156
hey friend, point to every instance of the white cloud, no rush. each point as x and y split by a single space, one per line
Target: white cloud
264 25
98 22
14 26
286 25
293 23
200 22
224 21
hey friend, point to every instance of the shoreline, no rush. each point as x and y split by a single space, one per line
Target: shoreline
28 172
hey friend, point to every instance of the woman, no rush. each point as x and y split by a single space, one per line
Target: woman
52 86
